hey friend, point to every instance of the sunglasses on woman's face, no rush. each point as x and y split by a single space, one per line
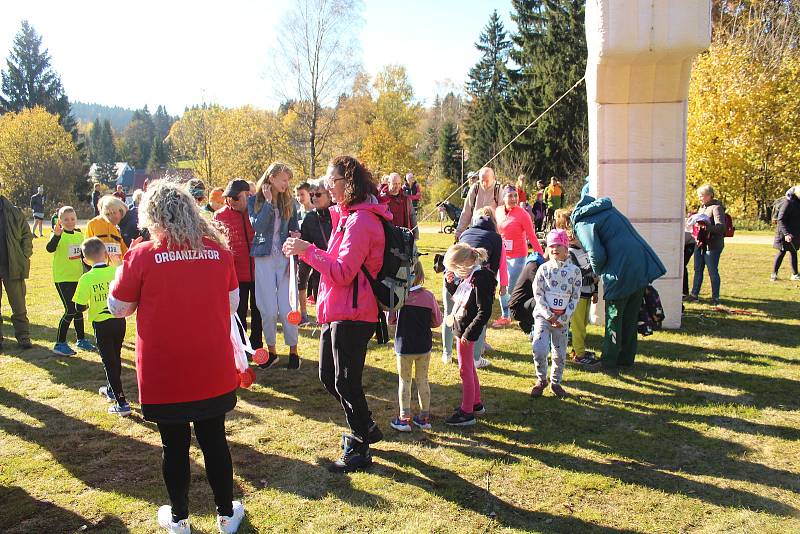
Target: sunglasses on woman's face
317 194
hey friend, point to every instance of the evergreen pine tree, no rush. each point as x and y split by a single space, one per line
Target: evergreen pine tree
550 52
94 147
107 151
487 88
30 81
449 152
158 155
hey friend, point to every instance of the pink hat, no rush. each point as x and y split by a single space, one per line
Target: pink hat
557 237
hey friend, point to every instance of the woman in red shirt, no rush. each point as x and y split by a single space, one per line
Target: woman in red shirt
184 356
515 227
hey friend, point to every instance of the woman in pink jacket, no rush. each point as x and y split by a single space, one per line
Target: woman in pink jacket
516 228
346 306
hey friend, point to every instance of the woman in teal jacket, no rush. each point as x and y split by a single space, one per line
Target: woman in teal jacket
626 264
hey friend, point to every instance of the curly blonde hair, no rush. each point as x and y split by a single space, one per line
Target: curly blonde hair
171 215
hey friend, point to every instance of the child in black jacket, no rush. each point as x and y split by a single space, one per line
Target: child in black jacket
472 308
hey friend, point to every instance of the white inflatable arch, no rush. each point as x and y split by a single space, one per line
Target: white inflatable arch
637 82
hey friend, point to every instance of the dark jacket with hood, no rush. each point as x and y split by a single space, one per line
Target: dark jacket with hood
622 258
788 220
483 234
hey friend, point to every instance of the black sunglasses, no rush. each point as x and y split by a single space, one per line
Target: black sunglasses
317 194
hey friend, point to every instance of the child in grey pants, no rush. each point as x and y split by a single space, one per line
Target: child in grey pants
556 290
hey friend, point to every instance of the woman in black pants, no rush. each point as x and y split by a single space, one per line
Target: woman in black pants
346 306
787 235
184 355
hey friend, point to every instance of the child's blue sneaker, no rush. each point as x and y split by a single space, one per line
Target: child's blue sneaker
400 424
122 410
85 344
62 349
422 422
107 394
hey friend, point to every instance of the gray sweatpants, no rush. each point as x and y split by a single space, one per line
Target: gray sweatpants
272 297
544 338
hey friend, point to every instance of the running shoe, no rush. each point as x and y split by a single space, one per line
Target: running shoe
107 394
538 389
230 524
479 409
62 349
482 362
422 422
374 435
165 521
558 391
501 322
795 277
294 362
773 277
122 410
401 424
446 358
85 344
460 418
272 360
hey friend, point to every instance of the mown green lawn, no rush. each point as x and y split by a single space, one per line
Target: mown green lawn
700 436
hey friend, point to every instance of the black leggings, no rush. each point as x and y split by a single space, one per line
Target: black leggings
109 335
342 351
779 260
175 440
66 290
247 299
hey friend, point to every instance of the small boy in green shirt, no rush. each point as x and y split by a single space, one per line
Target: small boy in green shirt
109 331
65 245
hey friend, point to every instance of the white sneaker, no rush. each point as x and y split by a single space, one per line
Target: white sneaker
482 362
446 358
229 525
795 277
165 521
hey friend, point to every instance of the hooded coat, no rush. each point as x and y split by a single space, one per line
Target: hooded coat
622 258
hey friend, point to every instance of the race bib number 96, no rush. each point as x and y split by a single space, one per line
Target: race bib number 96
557 301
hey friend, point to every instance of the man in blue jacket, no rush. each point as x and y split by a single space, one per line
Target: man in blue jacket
626 264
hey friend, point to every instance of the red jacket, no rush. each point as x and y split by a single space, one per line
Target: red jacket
240 237
400 207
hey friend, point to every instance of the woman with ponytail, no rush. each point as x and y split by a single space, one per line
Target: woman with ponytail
272 215
472 308
346 305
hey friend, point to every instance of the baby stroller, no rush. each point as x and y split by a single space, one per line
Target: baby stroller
453 213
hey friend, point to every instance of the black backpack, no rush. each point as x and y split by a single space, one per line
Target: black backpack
397 272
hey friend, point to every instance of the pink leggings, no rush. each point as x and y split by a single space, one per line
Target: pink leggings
471 388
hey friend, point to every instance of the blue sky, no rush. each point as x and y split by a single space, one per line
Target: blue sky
180 52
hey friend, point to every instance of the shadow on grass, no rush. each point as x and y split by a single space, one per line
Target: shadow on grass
450 486
23 513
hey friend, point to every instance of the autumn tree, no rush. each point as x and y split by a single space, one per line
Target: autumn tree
743 117
316 55
36 150
393 133
29 80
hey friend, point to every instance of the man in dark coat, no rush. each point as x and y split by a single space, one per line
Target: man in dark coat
787 235
16 248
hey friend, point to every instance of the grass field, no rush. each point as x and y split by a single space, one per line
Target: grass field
700 436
